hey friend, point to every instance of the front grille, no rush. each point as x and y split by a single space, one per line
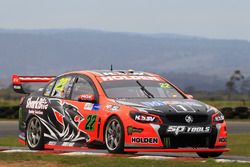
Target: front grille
190 140
180 118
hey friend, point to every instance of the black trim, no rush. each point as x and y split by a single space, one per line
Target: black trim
98 127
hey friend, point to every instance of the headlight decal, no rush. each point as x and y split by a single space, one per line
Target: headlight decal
145 117
218 117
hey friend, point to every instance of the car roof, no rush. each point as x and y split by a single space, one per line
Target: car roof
99 73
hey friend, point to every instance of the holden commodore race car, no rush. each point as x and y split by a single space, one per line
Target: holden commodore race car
121 111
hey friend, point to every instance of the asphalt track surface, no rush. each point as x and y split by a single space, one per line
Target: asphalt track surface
10 128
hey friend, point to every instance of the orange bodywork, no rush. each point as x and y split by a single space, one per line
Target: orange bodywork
135 141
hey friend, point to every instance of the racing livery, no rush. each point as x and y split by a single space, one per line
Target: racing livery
122 111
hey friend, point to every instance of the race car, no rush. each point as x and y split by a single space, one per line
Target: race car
118 110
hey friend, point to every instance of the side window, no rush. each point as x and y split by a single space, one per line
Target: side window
81 86
61 87
49 88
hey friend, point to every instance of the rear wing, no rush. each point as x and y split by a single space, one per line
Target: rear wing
18 80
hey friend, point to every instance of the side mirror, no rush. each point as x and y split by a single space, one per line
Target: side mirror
189 96
86 98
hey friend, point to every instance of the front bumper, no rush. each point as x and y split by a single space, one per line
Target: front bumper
155 136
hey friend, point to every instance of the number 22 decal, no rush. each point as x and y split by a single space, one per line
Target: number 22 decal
90 122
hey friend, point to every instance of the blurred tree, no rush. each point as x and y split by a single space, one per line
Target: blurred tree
246 87
231 84
230 88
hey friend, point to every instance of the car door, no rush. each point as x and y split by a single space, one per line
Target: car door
63 118
88 110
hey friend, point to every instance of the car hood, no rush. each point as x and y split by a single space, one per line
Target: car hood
166 106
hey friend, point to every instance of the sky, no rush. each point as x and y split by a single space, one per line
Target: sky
229 19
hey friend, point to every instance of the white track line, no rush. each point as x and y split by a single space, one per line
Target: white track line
152 157
83 153
18 151
230 161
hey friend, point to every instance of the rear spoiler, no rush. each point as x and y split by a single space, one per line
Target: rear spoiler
18 80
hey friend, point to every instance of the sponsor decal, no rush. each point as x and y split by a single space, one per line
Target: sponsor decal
37 112
39 103
185 129
182 108
132 130
68 144
195 104
88 97
17 87
165 85
112 107
91 106
154 103
118 78
144 140
222 140
145 118
91 119
189 103
119 73
52 143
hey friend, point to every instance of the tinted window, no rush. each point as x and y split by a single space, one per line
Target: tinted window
61 87
81 86
131 89
49 88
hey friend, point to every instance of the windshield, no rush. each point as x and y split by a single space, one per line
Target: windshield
143 89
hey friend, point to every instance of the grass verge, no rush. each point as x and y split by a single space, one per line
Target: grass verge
221 103
59 160
10 141
239 144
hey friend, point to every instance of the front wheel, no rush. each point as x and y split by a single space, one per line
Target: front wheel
114 135
34 134
209 154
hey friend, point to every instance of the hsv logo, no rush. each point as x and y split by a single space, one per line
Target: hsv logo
144 118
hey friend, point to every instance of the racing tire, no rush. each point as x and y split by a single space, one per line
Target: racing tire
209 154
34 134
114 135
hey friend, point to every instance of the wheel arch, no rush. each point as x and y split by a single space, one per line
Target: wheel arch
106 122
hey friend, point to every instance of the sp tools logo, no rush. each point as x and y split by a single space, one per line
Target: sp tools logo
189 119
185 129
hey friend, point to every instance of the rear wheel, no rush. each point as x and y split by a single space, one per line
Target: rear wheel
114 135
209 154
34 134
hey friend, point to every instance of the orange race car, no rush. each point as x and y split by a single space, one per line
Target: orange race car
122 111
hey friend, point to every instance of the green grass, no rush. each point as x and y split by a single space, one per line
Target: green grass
8 103
239 144
106 161
10 141
220 104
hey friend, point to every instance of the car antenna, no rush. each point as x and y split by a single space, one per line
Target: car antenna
111 67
